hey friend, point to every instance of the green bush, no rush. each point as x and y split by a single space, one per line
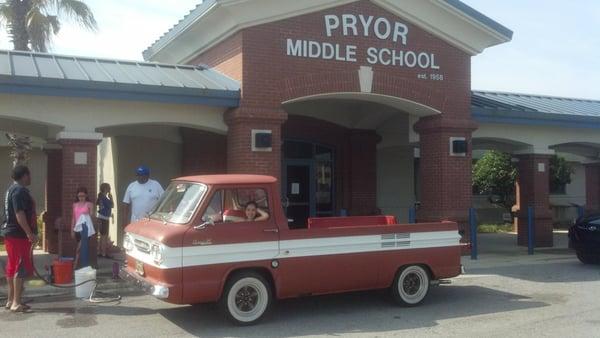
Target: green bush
560 173
495 175
494 228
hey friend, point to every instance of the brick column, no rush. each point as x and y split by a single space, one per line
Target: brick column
534 190
53 197
79 169
240 156
592 187
204 153
362 176
446 183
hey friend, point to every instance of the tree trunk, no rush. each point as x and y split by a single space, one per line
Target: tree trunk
17 29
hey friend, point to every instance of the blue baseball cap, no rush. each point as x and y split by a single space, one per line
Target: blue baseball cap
142 171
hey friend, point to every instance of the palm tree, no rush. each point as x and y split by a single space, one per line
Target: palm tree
20 146
31 24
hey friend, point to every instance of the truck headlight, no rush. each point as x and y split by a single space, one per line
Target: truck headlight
157 253
128 243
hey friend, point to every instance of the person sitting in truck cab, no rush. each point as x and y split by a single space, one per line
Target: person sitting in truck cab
254 213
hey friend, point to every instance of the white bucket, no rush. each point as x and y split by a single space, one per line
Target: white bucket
82 275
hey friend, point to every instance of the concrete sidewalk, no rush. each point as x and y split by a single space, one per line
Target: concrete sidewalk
37 288
501 249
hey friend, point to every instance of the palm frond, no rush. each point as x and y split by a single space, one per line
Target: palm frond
78 11
6 14
54 23
39 28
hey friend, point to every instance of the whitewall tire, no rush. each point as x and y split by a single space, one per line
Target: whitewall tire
246 298
410 285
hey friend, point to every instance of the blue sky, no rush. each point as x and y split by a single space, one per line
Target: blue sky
555 48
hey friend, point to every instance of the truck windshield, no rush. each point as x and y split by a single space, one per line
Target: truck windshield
179 202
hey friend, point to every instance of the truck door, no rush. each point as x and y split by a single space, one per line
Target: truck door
225 238
324 261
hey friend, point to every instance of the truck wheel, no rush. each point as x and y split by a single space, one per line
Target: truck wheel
246 298
410 285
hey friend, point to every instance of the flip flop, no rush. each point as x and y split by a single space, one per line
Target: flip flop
8 305
21 308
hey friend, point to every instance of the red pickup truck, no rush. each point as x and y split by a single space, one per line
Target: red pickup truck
225 239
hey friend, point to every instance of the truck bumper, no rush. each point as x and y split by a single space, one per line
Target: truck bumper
156 290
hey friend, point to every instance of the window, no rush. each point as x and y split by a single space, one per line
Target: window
179 202
237 205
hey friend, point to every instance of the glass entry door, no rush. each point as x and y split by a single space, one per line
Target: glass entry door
308 182
298 193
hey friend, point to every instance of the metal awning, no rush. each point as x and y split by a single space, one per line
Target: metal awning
60 75
517 108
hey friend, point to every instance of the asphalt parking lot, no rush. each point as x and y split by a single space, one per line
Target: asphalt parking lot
548 294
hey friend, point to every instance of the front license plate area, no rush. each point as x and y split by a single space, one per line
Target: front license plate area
139 268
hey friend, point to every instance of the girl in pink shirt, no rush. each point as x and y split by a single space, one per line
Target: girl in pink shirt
82 206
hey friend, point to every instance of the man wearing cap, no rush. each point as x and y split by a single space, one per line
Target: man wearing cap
141 195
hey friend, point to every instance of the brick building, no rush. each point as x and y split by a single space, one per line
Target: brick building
358 107
339 85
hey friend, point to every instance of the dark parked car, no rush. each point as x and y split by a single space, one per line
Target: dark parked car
584 237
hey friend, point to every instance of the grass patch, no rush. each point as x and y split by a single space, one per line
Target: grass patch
494 228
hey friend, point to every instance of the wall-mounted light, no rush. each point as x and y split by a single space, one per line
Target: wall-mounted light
262 140
458 146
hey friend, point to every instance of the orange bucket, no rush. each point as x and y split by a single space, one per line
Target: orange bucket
63 271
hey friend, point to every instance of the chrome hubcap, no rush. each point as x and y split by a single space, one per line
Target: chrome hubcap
411 284
246 299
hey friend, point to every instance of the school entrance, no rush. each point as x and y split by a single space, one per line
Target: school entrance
308 185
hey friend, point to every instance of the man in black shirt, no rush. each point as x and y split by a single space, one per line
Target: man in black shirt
20 233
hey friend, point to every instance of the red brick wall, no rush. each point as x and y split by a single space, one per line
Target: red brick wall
363 172
446 184
592 187
203 152
225 57
240 157
534 192
73 177
270 76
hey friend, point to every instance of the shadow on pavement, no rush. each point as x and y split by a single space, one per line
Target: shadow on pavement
353 313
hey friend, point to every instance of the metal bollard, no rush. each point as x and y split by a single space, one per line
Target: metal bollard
530 231
473 227
412 215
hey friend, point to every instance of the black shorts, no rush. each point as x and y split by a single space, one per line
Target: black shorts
103 227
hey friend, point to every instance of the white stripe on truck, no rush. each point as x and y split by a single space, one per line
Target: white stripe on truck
256 251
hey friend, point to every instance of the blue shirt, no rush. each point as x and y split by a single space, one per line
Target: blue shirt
105 206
